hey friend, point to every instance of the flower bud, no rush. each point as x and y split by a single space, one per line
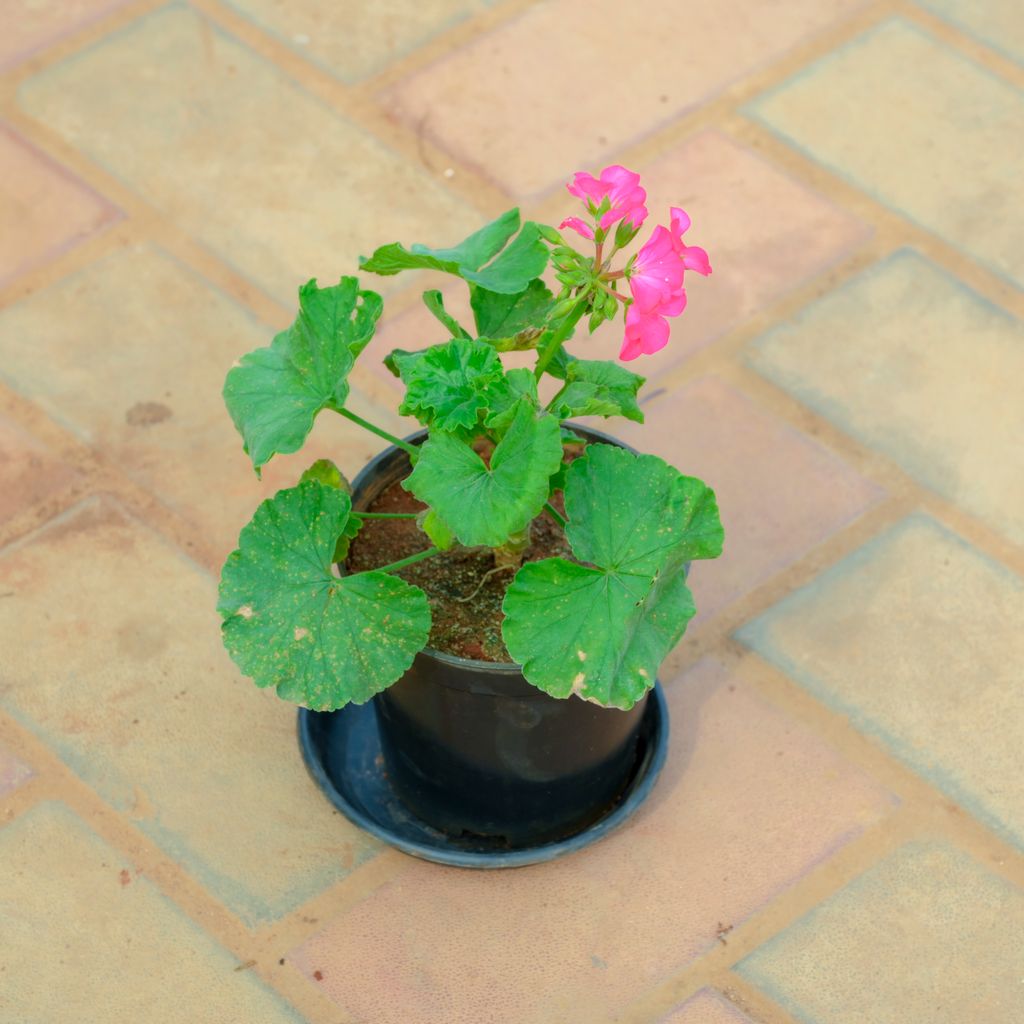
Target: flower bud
625 233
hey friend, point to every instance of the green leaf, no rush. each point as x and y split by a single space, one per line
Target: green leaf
514 269
502 316
352 527
436 529
470 254
481 246
327 473
434 301
580 630
487 504
290 623
391 359
602 629
275 393
510 269
450 386
598 387
504 403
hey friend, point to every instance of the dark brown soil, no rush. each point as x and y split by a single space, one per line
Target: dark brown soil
464 591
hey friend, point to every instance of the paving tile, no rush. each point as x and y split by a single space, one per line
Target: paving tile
996 22
30 474
354 40
927 936
44 210
144 386
29 25
12 772
236 153
912 362
145 706
527 82
707 1007
922 128
765 232
749 801
779 492
916 637
90 941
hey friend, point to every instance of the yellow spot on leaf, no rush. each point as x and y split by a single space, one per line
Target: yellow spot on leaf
245 611
300 633
577 683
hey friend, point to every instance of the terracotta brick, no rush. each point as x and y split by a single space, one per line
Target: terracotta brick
749 802
923 128
119 669
44 210
917 638
779 492
928 936
138 371
765 233
707 1007
12 772
30 25
354 40
236 153
912 362
90 940
561 86
30 474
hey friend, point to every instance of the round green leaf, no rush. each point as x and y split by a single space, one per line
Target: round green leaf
637 514
597 634
487 504
601 630
290 623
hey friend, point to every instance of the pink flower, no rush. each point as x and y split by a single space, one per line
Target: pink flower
579 226
656 283
693 256
657 273
622 189
647 333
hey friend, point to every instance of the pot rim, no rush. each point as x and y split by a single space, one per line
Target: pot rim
418 437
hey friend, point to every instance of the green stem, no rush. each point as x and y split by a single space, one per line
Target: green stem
611 292
563 332
551 405
373 429
385 515
554 513
403 562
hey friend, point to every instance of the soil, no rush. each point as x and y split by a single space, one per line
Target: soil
464 590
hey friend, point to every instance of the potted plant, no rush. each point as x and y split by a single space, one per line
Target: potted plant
504 584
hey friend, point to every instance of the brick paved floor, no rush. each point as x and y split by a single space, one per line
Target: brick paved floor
839 834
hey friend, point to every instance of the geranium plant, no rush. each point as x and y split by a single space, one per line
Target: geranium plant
597 624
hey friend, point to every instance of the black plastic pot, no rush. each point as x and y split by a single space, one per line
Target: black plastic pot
473 749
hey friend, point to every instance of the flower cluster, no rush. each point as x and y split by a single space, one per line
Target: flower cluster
655 275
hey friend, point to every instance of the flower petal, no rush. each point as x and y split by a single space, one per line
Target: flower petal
579 226
695 258
680 221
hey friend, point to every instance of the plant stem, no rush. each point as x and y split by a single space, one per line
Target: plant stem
373 429
613 294
554 513
403 562
551 405
385 515
563 332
